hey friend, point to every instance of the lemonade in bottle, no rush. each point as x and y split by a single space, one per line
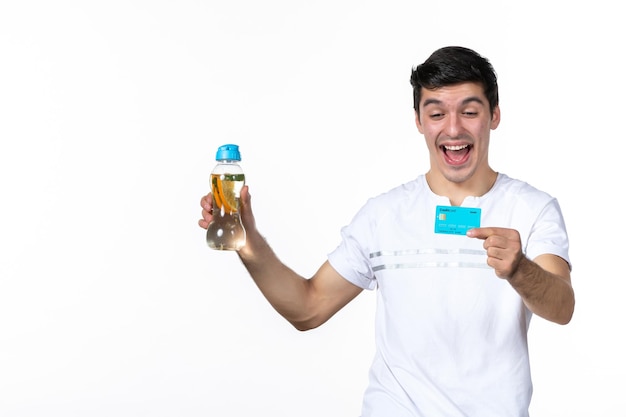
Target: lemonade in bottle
226 232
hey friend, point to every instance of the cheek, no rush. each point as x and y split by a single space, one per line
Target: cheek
428 131
482 131
431 143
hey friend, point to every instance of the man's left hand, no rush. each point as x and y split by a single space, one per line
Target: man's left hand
503 246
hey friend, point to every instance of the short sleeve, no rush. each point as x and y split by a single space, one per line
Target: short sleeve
549 234
351 257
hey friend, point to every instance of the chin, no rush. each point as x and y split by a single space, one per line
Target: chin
458 176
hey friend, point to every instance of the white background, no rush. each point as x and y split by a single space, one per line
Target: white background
111 304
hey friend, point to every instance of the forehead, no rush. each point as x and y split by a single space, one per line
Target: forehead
454 95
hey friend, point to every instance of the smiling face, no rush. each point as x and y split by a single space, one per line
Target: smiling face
456 123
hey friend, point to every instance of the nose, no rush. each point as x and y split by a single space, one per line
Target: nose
452 126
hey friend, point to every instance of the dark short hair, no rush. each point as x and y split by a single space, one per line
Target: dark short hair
453 65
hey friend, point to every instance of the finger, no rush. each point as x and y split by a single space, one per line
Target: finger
496 252
207 202
247 217
485 232
481 232
245 202
207 208
207 217
496 241
245 196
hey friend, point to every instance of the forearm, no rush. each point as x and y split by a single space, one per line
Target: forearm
285 290
545 293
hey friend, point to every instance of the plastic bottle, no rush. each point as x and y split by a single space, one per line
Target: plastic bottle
226 232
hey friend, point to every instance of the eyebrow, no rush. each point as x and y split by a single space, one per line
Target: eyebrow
472 99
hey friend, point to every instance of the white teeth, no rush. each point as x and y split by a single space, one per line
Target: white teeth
456 148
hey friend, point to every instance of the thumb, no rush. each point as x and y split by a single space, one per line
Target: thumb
245 207
244 197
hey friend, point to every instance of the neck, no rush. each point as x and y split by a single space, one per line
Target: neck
456 192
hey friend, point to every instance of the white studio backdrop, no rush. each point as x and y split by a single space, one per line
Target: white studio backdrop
110 115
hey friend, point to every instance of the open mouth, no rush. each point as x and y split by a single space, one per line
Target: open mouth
456 154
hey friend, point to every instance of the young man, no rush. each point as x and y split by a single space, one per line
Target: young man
454 300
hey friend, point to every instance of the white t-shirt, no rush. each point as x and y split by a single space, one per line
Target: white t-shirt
450 335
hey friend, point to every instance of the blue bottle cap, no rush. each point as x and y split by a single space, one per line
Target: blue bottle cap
228 152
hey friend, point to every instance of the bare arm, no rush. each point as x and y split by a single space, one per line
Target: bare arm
544 284
305 302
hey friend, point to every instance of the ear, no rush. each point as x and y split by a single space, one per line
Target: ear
495 118
418 123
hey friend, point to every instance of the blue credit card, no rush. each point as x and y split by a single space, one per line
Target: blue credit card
456 220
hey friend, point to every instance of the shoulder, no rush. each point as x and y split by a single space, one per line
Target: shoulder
403 192
520 191
520 205
393 203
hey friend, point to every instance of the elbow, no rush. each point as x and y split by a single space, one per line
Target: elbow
563 320
560 314
310 320
302 327
309 316
566 312
305 325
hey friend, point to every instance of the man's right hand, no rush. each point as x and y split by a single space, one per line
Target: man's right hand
245 210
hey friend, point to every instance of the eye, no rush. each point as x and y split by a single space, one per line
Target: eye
435 116
470 113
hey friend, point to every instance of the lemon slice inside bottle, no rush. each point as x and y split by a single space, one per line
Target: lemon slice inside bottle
224 193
